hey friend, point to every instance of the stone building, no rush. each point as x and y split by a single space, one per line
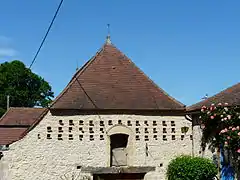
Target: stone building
110 122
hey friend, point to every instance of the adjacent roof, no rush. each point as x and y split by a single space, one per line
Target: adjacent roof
10 135
230 95
110 80
21 116
16 121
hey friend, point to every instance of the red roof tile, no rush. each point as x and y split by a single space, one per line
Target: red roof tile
110 81
10 135
21 116
230 95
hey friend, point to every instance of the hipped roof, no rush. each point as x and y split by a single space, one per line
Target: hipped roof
111 81
230 95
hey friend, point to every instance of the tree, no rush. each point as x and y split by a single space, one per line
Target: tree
221 129
25 88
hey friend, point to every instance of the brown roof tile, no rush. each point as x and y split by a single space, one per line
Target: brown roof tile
110 80
21 116
10 135
230 95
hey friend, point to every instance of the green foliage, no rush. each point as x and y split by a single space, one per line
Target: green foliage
25 88
191 168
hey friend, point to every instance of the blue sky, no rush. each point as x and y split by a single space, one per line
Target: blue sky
189 48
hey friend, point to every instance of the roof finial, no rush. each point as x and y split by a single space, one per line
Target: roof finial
108 41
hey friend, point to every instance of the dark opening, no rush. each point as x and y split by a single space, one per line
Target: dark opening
118 141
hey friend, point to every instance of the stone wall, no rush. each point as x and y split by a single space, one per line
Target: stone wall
59 144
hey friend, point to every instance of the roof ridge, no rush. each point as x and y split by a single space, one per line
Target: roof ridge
191 107
77 74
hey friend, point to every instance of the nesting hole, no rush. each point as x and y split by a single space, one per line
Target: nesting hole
182 137
137 130
164 123
60 137
81 122
173 130
137 138
49 129
154 123
129 123
146 130
101 123
173 123
91 130
60 129
154 130
137 123
173 137
71 122
164 130
164 137
81 137
101 137
61 122
49 136
81 129
70 137
91 123
146 138
110 122
91 138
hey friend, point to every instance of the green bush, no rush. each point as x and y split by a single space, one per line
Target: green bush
191 168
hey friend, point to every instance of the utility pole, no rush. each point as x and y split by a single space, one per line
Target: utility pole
8 97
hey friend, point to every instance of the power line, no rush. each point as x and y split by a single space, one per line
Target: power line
48 30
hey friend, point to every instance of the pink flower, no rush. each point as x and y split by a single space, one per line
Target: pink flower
212 117
234 129
229 116
202 126
228 137
215 114
226 143
219 104
212 104
222 131
204 107
211 108
225 104
237 128
202 110
238 151
221 116
225 119
230 127
239 133
208 112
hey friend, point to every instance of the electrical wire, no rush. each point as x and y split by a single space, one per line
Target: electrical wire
46 34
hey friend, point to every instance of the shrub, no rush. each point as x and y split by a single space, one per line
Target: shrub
191 168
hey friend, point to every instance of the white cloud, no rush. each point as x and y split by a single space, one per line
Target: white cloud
7 52
6 49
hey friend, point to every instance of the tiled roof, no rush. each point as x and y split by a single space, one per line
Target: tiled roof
16 122
230 95
10 135
21 116
112 81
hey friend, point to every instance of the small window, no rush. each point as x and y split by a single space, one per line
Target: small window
49 136
129 123
80 137
101 137
173 130
164 130
164 137
155 137
137 123
91 123
146 130
164 123
91 138
137 130
70 129
70 136
49 129
110 122
60 137
101 129
91 130
191 137
182 137
146 123
154 123
146 138
137 138
71 122
81 122
61 122
101 123
60 129
172 123
173 137
81 129
119 121
154 130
